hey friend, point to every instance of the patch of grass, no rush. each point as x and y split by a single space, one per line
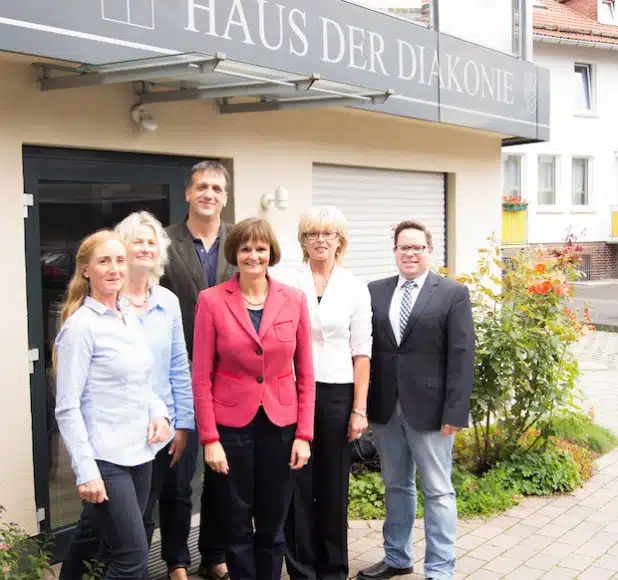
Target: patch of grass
580 430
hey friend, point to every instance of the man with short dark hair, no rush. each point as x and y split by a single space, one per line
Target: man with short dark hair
422 369
196 262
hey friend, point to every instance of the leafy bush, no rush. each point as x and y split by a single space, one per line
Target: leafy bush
543 472
583 457
524 369
580 430
484 495
22 557
367 497
476 496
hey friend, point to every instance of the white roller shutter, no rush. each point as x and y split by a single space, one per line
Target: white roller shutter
374 201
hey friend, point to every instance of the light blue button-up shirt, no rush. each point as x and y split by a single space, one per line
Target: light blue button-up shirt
171 378
104 400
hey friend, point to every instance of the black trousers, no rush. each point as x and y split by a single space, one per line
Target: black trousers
210 540
251 501
171 488
316 529
117 522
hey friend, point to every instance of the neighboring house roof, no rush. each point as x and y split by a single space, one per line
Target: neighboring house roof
574 20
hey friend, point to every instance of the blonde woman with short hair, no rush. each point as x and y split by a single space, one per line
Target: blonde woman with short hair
159 313
108 415
340 311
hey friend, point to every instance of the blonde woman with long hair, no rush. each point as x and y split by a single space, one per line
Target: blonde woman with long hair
107 412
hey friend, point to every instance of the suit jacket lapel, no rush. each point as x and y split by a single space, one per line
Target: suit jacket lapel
423 299
189 256
234 302
222 263
389 290
274 303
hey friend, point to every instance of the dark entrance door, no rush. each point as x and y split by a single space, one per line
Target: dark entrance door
75 193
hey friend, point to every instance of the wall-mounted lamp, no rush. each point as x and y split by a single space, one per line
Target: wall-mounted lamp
279 197
143 117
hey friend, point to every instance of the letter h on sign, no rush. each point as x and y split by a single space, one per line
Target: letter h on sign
138 13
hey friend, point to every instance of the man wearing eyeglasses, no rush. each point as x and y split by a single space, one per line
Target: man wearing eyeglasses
422 368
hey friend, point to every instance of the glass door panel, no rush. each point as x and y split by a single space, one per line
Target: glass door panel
68 212
76 193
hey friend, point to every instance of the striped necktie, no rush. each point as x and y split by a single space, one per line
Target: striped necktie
406 305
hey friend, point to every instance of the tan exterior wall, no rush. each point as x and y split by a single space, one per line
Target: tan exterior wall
267 149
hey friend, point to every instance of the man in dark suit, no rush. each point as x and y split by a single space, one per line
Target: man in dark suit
422 369
196 262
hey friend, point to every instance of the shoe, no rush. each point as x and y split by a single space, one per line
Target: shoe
208 572
382 571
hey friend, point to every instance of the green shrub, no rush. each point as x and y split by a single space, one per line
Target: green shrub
367 497
583 457
21 556
478 496
543 472
580 429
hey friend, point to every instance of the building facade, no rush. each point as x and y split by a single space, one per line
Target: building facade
105 106
571 181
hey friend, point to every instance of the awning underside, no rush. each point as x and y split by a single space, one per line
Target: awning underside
195 77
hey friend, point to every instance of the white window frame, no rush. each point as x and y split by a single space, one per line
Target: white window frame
584 72
513 192
611 5
586 191
544 192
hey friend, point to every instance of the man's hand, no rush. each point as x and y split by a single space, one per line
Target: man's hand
93 491
178 446
215 458
449 430
159 430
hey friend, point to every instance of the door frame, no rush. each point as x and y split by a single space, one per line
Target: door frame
43 163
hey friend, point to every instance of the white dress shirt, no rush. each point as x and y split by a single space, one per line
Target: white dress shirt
340 323
395 308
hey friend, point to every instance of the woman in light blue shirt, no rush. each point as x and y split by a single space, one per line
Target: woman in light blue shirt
109 416
159 313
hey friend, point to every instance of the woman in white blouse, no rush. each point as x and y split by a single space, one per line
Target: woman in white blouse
340 310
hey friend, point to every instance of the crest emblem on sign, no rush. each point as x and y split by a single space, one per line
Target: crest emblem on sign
530 92
138 13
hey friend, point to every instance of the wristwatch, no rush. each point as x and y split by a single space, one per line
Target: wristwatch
359 412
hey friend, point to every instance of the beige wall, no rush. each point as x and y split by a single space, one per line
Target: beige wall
267 149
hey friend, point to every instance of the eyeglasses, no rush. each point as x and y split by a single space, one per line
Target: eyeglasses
326 235
416 250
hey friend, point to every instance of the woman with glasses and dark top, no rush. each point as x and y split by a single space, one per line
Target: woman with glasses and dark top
340 311
108 414
254 396
159 314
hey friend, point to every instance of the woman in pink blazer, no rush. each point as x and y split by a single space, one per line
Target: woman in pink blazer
254 393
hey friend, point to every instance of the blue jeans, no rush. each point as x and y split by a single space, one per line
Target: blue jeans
403 449
117 523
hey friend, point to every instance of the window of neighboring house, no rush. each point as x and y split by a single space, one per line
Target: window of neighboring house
583 87
608 10
511 176
547 180
581 182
